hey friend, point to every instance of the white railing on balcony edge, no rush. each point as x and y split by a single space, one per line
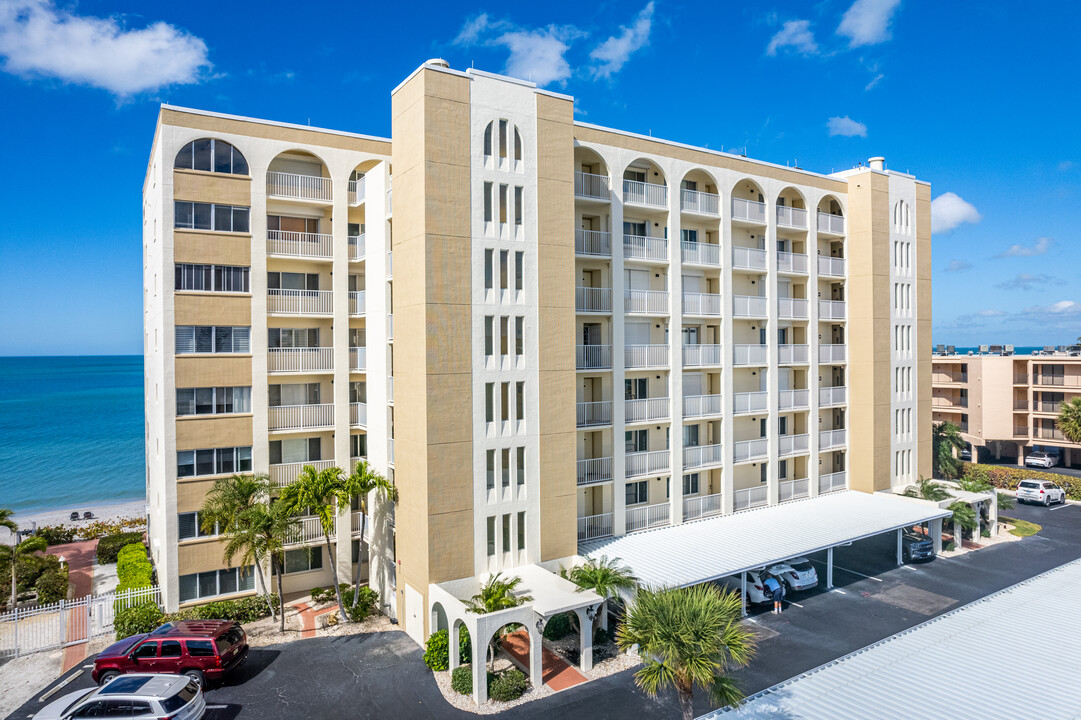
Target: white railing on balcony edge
593 357
298 187
645 356
300 359
831 223
748 210
594 470
390 264
792 308
654 302
792 217
831 439
594 526
356 191
701 405
750 402
791 263
700 253
390 200
829 396
705 304
793 399
701 355
390 389
592 242
647 463
646 409
299 417
793 444
640 247
831 482
643 193
390 326
701 506
356 521
831 309
356 247
300 302
285 473
390 450
594 413
750 449
649 516
702 455
356 302
358 413
299 244
592 186
749 306
306 530
745 258
831 353
591 299
793 489
831 266
358 358
750 354
702 203
748 498
790 354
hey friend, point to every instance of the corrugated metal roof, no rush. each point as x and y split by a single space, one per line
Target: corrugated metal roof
703 550
1010 655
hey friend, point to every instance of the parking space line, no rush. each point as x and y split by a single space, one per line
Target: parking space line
842 592
795 604
1059 507
838 567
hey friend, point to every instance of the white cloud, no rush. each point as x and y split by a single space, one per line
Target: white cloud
867 22
795 34
949 211
1053 312
539 55
874 81
846 126
1026 281
616 50
1067 165
38 39
990 313
958 266
1041 246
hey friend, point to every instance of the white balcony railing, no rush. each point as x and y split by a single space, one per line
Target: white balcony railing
702 455
832 482
792 263
390 201
831 353
701 405
828 223
356 302
748 210
390 327
390 264
830 396
300 359
650 302
300 302
591 299
831 310
702 203
793 444
298 187
390 390
750 449
593 357
748 498
594 526
640 247
793 489
705 304
300 417
645 356
390 450
828 439
745 258
299 244
648 516
701 355
749 306
831 266
356 519
591 186
356 247
748 402
701 506
793 399
793 354
699 253
750 354
285 473
646 409
594 470
792 217
594 413
592 242
647 463
356 191
643 193
358 358
307 530
358 414
792 309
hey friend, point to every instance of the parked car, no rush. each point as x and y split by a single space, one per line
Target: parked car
1040 491
966 454
140 696
1041 459
916 546
202 650
797 574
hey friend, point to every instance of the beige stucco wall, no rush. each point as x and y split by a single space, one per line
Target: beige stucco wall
193 433
208 187
212 309
207 371
923 330
217 248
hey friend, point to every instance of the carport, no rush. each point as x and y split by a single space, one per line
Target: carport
730 545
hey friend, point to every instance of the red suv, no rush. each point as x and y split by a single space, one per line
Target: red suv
204 650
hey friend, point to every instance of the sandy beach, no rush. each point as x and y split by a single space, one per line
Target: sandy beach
102 511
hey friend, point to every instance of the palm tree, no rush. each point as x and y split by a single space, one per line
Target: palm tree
945 439
1069 420
604 577
928 490
7 522
363 481
322 491
688 637
269 525
12 553
964 518
1002 500
496 594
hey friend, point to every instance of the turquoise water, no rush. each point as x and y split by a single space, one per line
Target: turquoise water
71 431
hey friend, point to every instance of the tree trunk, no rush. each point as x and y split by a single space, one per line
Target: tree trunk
686 702
266 589
281 599
356 575
334 578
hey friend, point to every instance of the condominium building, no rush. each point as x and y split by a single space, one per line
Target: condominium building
583 333
1006 405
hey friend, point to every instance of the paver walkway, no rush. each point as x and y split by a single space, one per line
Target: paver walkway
79 557
307 617
556 673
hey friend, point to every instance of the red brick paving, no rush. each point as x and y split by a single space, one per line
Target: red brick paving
79 557
556 673
307 617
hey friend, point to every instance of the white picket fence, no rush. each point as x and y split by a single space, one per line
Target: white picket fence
68 622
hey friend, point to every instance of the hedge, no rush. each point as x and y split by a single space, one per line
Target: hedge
146 616
1007 477
110 545
437 649
508 686
133 568
141 618
52 586
558 627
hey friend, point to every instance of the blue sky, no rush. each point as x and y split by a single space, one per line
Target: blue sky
978 98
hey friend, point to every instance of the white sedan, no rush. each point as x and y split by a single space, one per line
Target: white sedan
1041 459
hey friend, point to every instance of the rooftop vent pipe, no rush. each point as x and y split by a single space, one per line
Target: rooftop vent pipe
877 163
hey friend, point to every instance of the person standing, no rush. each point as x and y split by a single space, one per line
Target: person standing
774 592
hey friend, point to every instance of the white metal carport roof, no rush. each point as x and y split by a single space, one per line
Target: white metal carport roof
717 547
983 660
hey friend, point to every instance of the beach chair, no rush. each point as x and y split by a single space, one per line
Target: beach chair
88 515
75 516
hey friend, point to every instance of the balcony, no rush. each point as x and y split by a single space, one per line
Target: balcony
831 224
748 498
831 310
356 519
791 217
307 530
291 186
832 396
829 439
356 303
750 449
698 253
593 414
647 463
358 358
793 489
1038 406
949 402
1022 404
356 191
643 193
792 309
1070 381
390 390
596 243
701 355
793 400
390 264
593 300
640 247
748 211
831 266
356 247
944 377
832 482
646 410
1020 379
300 244
301 417
750 402
831 353
358 414
646 302
645 356
390 327
594 526
1020 431
745 258
390 201
300 302
390 451
701 203
702 456
793 354
1046 433
594 470
703 304
788 445
648 516
792 263
285 473
701 405
701 506
750 355
588 185
593 357
297 360
749 306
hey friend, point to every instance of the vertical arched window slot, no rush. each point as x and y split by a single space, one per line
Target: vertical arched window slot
488 140
517 145
502 138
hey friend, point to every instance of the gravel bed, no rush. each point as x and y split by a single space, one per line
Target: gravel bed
22 678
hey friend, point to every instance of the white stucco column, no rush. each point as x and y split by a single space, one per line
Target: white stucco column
936 535
453 635
536 650
479 666
585 639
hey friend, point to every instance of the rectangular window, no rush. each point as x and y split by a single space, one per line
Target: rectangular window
489 260
488 340
491 469
503 258
504 333
504 397
503 203
519 333
502 138
519 262
519 400
518 194
213 461
637 492
213 401
296 450
521 531
296 337
189 526
491 536
690 484
489 402
487 202
505 467
199 586
506 533
212 339
207 216
521 466
303 560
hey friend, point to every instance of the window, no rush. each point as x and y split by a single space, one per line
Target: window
189 527
503 203
212 339
519 262
519 333
504 397
518 194
213 400
521 531
490 469
763 475
211 278
488 140
295 337
506 533
146 650
519 400
297 450
213 461
489 402
505 467
503 259
358 446
299 227
782 469
521 466
358 392
198 586
210 155
303 560
169 648
296 394
208 216
517 145
636 441
292 281
690 484
487 202
491 536
488 340
637 492
504 333
488 262
502 138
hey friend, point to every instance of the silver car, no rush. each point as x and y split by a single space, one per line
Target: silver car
1040 491
797 574
140 696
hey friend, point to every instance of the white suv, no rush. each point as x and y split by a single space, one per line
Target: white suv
1040 491
140 696
1041 459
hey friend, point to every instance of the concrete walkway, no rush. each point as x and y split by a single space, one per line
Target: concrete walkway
307 618
79 557
556 673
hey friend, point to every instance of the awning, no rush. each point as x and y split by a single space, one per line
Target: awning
717 547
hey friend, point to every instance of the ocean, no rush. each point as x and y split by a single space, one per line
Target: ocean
71 431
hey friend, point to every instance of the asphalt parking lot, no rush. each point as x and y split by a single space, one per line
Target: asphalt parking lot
382 675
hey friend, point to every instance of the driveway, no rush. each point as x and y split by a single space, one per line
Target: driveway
382 675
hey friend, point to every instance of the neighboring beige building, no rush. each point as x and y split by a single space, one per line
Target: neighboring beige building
768 328
1007 404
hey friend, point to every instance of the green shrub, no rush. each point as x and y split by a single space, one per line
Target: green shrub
110 545
133 568
57 534
558 627
437 650
462 680
1007 477
323 595
367 599
141 618
465 645
241 610
52 585
600 636
508 686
